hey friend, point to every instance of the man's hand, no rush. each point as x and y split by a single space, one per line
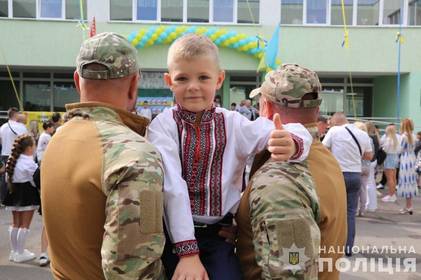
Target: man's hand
280 143
190 268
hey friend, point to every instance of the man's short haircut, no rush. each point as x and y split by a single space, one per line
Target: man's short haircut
12 112
192 46
56 117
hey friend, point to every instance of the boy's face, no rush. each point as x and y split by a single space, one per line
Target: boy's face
194 82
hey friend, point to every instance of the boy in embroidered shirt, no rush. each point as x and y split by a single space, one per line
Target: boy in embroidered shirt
204 150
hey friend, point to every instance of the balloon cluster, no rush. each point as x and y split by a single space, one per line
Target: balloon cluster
157 35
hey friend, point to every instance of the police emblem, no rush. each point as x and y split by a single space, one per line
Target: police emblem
294 258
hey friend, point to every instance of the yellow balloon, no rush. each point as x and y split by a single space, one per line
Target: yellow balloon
213 37
253 45
135 41
201 30
154 37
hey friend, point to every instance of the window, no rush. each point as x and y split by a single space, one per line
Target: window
292 11
391 12
50 8
332 100
414 12
64 93
4 12
121 9
223 10
197 10
248 11
24 8
336 12
368 12
147 9
317 11
359 101
73 9
172 10
37 96
8 96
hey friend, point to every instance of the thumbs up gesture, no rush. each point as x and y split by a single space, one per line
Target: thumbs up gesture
280 143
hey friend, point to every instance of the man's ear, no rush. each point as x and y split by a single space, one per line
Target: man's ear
167 80
266 108
221 78
76 80
134 81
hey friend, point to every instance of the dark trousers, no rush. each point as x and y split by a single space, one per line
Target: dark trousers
216 255
353 185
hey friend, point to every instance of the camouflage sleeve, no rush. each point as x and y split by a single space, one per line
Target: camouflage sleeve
283 210
133 240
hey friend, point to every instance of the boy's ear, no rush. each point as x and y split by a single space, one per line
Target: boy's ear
167 79
221 78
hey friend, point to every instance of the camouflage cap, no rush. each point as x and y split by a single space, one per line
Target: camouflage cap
110 50
288 84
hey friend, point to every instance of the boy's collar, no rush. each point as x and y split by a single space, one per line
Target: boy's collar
196 117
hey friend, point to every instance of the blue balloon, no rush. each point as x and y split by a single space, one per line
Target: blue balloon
232 33
131 36
236 45
218 41
242 43
191 29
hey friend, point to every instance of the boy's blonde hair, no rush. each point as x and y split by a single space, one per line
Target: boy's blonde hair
191 46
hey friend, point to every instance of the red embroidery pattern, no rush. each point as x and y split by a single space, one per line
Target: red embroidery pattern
186 248
299 145
202 149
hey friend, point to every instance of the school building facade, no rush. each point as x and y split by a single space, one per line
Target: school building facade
41 38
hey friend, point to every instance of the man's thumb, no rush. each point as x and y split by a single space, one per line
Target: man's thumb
277 121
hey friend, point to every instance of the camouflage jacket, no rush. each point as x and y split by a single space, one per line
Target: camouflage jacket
283 210
112 182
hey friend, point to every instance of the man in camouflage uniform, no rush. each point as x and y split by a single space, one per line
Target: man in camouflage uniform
101 181
279 216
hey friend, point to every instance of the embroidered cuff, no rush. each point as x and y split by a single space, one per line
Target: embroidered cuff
186 248
299 147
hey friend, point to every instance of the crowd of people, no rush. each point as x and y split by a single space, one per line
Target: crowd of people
126 198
